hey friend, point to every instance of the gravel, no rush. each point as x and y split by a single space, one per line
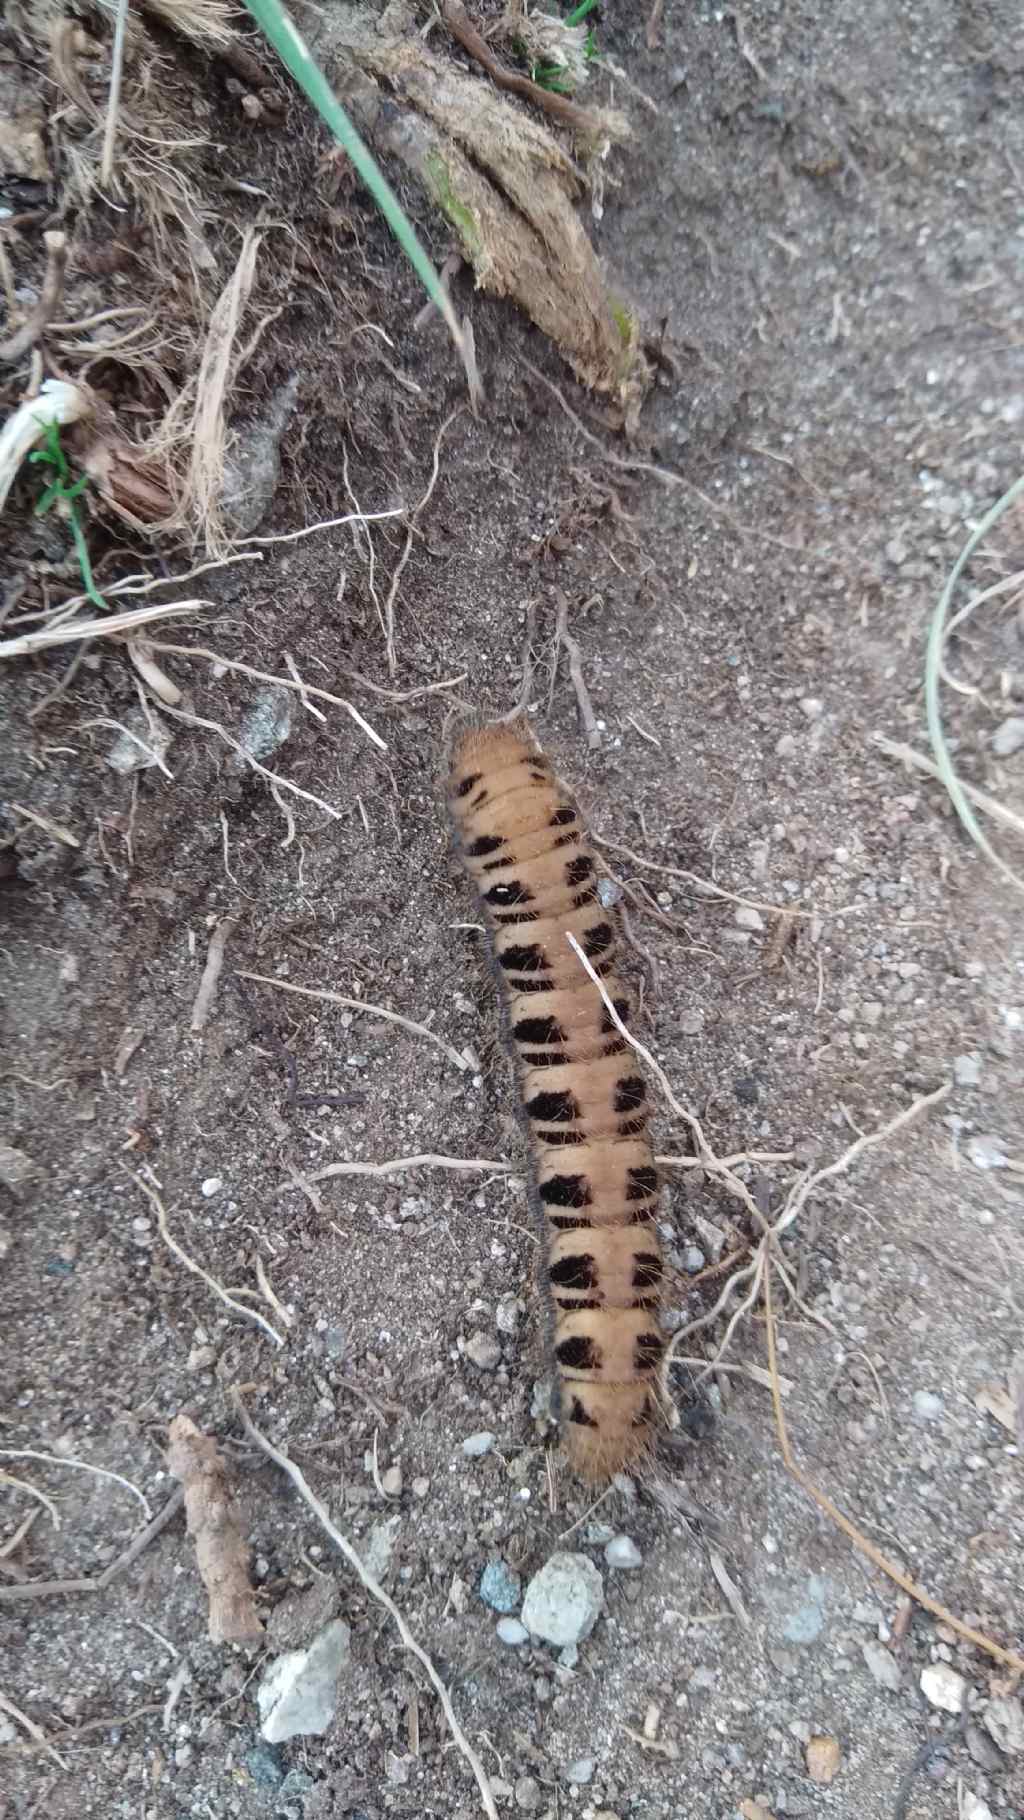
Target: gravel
564 1600
882 1664
298 1693
944 1688
622 1552
500 1588
475 1446
483 1351
1004 1722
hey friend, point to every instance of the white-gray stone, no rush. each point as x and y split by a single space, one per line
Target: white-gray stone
475 1446
967 1070
927 1406
512 1632
298 1692
1004 1722
986 1151
623 1552
746 917
380 1546
581 1772
1009 737
943 1687
563 1601
484 1351
882 1664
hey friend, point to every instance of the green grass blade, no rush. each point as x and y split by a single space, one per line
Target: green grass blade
278 27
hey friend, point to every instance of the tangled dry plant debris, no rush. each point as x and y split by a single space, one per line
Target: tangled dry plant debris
216 1526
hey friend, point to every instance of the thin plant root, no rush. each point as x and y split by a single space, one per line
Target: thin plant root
248 1314
216 1528
377 1592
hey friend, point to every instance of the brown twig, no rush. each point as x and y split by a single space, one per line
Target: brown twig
1007 1656
49 300
211 973
572 652
653 28
42 1589
589 125
216 1529
377 1592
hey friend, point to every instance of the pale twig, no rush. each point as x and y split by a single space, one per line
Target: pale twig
276 777
30 642
211 972
55 1459
402 695
360 1004
8 1478
572 651
267 1290
34 1731
327 524
389 604
705 886
248 1314
1007 1657
920 761
377 1592
197 652
47 824
464 1165
42 1589
114 99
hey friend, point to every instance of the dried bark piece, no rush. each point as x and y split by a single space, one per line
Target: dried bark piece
215 1527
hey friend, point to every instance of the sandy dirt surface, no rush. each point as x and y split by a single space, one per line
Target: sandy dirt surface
823 227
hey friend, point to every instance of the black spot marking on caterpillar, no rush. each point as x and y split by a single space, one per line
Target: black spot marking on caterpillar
642 1182
647 1351
524 960
647 1269
562 817
577 1413
597 940
486 843
538 1030
579 1353
467 783
630 1093
579 869
550 1108
574 1272
566 1191
508 893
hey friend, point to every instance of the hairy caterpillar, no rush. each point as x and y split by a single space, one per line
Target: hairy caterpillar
594 1185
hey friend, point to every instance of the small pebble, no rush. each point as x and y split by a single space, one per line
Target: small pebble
499 1586
475 1446
211 1186
746 917
973 1808
528 1794
264 1765
1009 737
882 1664
967 1070
943 1687
564 1600
786 746
622 1552
392 1481
1004 1721
693 1260
420 1488
811 707
483 1351
581 1772
510 1631
987 1152
823 1757
928 1407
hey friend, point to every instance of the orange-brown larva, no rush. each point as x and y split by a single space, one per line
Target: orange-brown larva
593 1180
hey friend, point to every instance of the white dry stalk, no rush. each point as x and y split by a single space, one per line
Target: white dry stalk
58 402
73 631
273 777
283 682
376 1591
217 370
114 97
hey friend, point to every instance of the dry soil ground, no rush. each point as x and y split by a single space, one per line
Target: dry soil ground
827 215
